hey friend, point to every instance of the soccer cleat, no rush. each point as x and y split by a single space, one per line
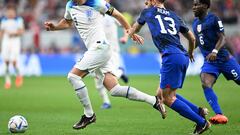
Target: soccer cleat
106 106
218 119
124 78
160 107
200 129
84 121
19 81
7 85
203 112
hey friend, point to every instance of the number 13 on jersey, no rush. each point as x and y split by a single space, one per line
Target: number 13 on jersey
171 24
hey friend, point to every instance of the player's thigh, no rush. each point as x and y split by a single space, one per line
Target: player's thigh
173 71
231 70
5 52
15 52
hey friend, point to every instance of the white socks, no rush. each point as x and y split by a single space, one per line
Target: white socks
132 94
82 93
102 91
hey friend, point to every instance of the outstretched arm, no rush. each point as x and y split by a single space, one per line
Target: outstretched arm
116 14
62 24
191 42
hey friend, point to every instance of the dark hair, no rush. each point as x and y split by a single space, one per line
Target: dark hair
162 1
11 6
207 2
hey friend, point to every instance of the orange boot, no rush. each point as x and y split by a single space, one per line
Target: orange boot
7 85
218 119
19 81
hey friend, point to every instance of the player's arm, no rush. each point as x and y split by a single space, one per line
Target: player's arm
221 39
191 42
116 14
61 25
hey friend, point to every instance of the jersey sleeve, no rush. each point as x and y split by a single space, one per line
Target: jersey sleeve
183 27
67 14
141 20
218 25
20 23
104 7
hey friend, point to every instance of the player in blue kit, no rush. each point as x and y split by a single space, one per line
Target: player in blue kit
209 32
165 27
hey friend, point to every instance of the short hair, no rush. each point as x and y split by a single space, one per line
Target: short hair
207 2
162 1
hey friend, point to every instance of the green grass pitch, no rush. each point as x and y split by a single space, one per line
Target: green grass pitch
51 108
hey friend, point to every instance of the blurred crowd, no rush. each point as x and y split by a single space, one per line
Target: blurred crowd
35 12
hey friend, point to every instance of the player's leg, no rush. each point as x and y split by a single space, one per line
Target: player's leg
7 76
19 78
200 110
75 78
208 81
103 93
116 90
15 55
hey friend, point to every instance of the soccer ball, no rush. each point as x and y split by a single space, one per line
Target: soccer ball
17 124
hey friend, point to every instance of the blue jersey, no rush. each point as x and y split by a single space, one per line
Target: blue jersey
206 33
164 26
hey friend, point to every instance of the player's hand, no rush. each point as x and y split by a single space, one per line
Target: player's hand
49 26
191 57
123 40
212 56
138 39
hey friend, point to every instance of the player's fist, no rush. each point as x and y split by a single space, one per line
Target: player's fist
123 39
49 26
212 56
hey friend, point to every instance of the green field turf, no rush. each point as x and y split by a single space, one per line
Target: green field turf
51 108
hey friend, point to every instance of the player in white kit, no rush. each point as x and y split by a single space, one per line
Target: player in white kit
11 30
87 16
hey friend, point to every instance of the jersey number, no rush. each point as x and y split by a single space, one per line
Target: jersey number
171 24
201 40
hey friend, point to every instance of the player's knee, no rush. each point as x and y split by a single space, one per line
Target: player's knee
75 80
206 84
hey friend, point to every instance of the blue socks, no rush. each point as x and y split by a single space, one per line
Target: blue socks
191 105
184 110
212 100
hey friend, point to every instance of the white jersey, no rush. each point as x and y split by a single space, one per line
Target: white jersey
11 26
88 19
11 46
111 31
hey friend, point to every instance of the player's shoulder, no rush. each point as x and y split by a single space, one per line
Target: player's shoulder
70 4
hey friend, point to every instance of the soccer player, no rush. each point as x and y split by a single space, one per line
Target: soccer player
87 16
12 28
209 32
165 27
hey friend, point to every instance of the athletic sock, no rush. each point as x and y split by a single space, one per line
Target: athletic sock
184 110
103 93
82 93
132 94
212 99
191 105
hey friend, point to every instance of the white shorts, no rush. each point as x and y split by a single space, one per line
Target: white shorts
96 61
10 51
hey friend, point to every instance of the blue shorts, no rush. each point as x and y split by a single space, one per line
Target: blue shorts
230 69
173 71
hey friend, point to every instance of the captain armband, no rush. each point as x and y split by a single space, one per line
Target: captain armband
110 10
